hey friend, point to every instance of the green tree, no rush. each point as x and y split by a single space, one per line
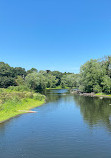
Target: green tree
91 75
19 71
6 75
32 70
58 76
19 81
106 84
51 81
36 81
6 81
70 80
6 70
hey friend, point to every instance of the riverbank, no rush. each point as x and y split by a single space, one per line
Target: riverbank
14 103
101 95
25 105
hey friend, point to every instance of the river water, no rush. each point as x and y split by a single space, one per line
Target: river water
66 126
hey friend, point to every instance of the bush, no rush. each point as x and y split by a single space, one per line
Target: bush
29 95
38 96
97 89
21 88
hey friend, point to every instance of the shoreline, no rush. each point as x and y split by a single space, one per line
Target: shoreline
104 96
28 105
91 94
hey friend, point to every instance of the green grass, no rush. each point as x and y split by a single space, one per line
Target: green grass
12 110
103 94
12 101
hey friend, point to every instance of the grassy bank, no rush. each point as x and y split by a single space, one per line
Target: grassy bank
13 102
103 95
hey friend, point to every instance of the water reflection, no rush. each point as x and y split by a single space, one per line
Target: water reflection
60 129
94 110
55 95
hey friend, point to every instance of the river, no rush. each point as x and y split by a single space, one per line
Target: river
66 126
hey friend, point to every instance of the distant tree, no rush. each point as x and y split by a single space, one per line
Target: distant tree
42 72
36 81
107 65
58 76
19 80
97 88
6 70
63 81
32 70
91 75
19 71
7 81
48 71
6 75
51 81
106 84
70 80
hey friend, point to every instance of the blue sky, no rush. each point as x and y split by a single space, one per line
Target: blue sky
54 34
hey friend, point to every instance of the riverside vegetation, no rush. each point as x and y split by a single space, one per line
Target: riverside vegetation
15 101
94 76
18 87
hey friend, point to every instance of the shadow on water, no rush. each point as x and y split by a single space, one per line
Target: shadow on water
95 111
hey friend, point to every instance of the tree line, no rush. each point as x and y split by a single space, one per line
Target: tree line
34 79
94 76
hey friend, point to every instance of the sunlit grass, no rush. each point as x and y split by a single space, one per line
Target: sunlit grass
103 94
11 102
11 109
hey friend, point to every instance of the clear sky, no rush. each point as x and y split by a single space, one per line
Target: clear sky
54 34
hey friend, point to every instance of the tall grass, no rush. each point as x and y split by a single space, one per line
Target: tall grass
14 99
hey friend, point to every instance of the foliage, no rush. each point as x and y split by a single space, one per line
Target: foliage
95 76
36 81
91 75
8 75
18 71
32 70
13 101
58 76
19 81
51 81
6 70
40 80
6 81
20 88
106 84
70 80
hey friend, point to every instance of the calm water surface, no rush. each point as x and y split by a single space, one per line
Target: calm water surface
67 126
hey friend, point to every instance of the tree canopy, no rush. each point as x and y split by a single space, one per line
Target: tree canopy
94 76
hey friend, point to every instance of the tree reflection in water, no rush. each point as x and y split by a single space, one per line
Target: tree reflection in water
95 111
